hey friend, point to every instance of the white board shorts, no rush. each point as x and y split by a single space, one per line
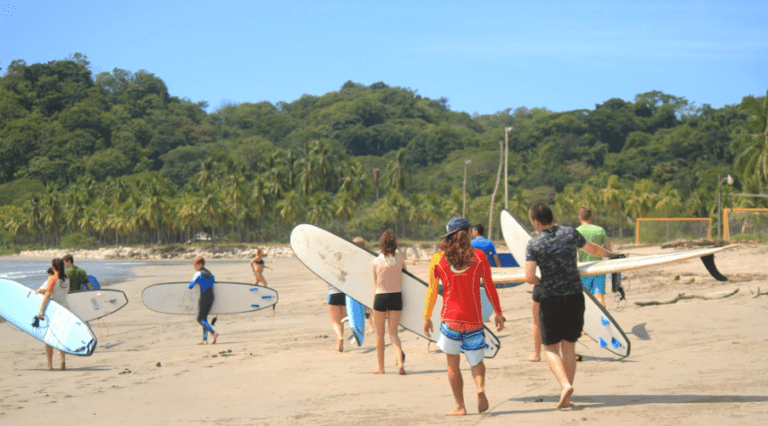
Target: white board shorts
472 343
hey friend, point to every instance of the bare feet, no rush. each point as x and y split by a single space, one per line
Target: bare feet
534 358
482 403
203 342
458 411
50 367
340 345
565 397
213 341
63 366
377 370
401 371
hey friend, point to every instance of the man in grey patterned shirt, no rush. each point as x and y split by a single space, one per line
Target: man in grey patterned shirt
561 314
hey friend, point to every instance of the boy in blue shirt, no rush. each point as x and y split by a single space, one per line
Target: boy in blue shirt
481 243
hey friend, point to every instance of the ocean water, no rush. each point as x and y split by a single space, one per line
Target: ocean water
32 273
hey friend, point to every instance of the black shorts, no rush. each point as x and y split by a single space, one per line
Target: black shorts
388 302
337 299
536 295
561 318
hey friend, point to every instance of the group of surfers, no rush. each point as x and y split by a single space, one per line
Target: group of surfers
464 272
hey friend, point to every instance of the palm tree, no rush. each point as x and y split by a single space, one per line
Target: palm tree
752 160
612 198
343 206
212 207
667 202
322 209
398 175
641 200
352 178
290 207
154 204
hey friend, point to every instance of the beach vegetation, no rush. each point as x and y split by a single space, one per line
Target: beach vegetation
115 159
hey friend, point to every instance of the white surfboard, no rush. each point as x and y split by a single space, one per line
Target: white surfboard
229 298
347 266
60 328
599 325
94 304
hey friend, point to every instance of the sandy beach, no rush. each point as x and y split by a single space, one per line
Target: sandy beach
694 362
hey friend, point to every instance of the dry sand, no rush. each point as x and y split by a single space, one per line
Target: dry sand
696 362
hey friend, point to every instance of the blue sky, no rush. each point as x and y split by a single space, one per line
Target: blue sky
484 57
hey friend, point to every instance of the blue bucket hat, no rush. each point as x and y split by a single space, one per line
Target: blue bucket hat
456 224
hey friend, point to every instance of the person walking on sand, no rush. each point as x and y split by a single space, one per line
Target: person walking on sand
561 313
388 302
257 265
205 280
56 288
485 245
337 307
460 268
594 234
78 278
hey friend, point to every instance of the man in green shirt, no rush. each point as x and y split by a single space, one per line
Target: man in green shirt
78 278
594 234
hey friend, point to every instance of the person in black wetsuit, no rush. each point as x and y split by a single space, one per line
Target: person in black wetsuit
205 280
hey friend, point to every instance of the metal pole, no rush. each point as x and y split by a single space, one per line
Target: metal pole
506 167
464 192
719 211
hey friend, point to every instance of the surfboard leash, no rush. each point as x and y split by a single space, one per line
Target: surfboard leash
37 326
102 325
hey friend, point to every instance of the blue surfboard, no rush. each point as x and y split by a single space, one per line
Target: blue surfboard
356 318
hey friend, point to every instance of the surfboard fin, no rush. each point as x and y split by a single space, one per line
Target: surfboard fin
36 322
709 263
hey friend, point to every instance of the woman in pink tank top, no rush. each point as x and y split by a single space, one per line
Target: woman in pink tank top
388 302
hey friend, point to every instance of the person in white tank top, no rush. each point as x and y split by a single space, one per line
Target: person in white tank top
56 288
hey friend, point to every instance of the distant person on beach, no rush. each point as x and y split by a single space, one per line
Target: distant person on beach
388 302
257 265
485 245
56 288
205 280
594 234
78 278
460 268
337 307
561 313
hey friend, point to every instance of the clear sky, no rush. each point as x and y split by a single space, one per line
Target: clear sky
483 56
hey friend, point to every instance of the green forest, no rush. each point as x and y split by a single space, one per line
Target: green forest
114 159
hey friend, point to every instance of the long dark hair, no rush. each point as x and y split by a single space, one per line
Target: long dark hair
58 267
457 249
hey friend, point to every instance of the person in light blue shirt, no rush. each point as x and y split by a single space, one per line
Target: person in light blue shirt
205 280
481 243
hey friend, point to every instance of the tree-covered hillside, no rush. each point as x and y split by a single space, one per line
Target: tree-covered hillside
115 159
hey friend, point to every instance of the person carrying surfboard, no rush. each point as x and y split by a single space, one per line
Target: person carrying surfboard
205 280
56 288
561 312
388 301
78 278
594 234
461 268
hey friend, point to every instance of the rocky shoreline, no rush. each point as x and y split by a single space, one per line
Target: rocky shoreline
412 253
